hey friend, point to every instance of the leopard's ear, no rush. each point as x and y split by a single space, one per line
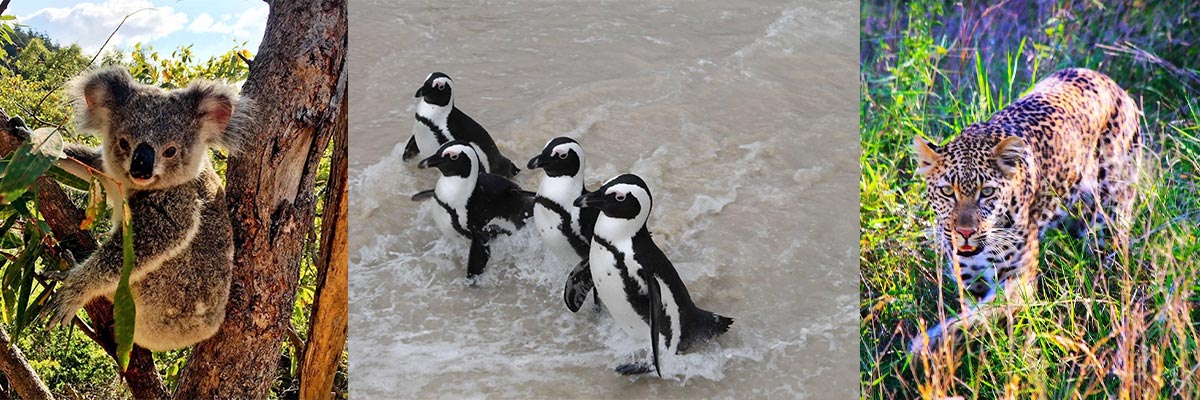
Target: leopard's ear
1010 153
927 155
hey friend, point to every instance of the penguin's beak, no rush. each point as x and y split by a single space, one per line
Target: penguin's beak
432 161
593 199
537 162
420 92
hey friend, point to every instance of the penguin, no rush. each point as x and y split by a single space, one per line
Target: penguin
565 228
636 281
475 205
439 121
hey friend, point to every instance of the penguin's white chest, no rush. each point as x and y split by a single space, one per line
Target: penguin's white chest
427 142
548 226
611 286
561 190
453 192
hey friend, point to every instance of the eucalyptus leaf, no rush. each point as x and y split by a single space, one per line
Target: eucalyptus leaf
124 312
24 168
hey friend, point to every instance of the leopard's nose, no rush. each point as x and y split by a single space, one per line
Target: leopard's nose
965 232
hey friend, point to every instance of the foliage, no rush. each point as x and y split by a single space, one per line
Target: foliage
931 68
180 67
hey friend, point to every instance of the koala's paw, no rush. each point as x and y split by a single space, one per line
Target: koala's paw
61 309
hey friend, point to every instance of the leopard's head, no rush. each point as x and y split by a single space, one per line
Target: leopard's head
974 182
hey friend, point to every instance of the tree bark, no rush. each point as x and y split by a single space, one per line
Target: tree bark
298 81
20 374
327 328
64 219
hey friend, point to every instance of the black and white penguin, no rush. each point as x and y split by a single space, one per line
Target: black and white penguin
475 205
636 281
565 228
439 122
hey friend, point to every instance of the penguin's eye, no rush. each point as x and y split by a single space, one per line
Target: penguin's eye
946 191
620 196
454 156
562 156
987 191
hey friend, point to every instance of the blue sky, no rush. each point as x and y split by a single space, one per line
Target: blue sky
212 27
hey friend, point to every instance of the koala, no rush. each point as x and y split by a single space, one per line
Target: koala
155 143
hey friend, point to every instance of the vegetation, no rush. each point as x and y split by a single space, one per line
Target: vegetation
1126 330
33 70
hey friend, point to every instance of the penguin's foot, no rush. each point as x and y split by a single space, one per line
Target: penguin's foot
635 368
473 281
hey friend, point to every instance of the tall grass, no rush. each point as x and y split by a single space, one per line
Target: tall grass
1123 329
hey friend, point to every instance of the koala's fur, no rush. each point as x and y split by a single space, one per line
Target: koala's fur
182 237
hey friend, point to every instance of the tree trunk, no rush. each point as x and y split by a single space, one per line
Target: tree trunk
327 329
297 80
64 218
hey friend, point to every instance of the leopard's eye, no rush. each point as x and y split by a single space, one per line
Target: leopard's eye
946 191
987 191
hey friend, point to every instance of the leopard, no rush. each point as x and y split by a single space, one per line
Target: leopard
1066 155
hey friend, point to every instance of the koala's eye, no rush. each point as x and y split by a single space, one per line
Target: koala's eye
170 152
620 196
562 155
946 191
124 144
987 191
454 156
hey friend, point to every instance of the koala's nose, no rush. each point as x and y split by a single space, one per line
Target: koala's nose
142 166
965 232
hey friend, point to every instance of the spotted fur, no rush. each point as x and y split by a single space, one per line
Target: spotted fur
1073 143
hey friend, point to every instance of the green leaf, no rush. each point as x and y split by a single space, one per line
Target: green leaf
66 178
124 312
24 267
24 168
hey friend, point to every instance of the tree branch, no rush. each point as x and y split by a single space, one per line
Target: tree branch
327 328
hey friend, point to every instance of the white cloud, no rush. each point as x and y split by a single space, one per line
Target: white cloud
251 22
88 24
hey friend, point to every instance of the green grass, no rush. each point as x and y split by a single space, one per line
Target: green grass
1127 330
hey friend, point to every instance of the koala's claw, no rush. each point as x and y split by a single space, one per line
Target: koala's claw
56 275
61 309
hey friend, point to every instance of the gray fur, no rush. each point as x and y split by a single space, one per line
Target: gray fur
182 237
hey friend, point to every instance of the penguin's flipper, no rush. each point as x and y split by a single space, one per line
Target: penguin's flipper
423 195
480 252
410 149
656 314
579 285
633 369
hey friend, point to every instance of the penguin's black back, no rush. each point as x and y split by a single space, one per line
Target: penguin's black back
697 325
495 196
464 128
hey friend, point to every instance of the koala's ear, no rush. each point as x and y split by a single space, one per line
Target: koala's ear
1009 154
95 95
927 155
214 104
